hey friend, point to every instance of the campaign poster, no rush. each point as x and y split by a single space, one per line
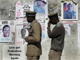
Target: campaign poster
69 10
40 6
19 27
6 30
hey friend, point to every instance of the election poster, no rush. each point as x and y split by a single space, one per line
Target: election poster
41 7
21 29
69 10
7 28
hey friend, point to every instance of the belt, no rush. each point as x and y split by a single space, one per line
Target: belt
58 50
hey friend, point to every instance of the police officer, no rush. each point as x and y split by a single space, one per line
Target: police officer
34 49
57 35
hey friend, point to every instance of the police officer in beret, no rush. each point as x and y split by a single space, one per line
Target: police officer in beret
34 49
57 35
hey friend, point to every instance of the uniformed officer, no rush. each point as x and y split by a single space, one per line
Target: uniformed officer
34 38
57 35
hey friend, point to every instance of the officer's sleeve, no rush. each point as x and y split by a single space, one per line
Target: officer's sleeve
36 34
54 33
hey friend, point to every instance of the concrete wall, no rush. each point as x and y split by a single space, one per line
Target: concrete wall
71 50
6 5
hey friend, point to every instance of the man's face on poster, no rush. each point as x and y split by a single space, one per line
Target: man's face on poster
38 3
69 7
6 31
23 33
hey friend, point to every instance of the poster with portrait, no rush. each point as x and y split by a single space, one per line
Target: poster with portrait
18 27
69 10
7 28
40 6
21 29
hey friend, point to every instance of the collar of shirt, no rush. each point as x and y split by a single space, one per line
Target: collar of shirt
33 21
58 24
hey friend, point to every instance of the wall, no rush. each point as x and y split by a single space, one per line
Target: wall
71 50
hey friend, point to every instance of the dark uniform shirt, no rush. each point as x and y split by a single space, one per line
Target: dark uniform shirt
57 35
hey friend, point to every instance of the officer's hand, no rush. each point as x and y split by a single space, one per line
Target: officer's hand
49 24
23 32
